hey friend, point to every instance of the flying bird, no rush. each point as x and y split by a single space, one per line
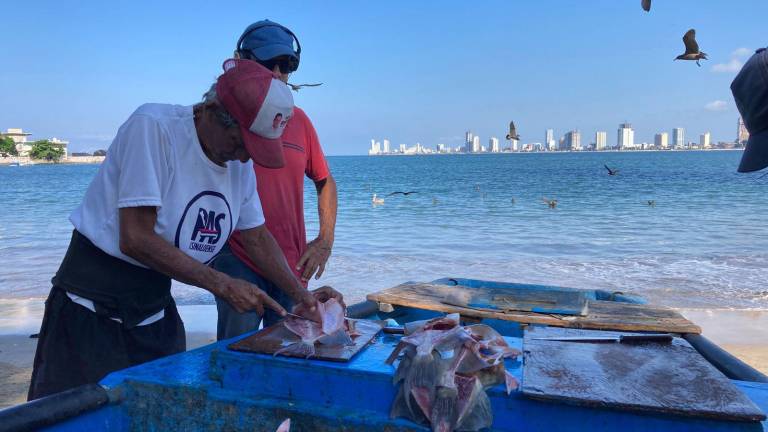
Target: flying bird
296 87
610 171
646 4
551 203
691 48
403 193
512 135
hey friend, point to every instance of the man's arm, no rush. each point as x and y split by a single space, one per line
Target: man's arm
319 250
139 241
263 251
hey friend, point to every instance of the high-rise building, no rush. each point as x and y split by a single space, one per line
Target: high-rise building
468 140
440 148
514 145
573 140
549 140
476 148
375 147
402 148
661 140
386 146
493 145
601 140
626 137
705 140
678 137
742 135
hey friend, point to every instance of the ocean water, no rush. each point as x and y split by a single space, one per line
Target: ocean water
703 245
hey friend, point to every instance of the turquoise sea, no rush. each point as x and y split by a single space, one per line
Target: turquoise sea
704 243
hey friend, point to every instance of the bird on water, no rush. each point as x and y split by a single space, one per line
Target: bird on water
691 48
611 172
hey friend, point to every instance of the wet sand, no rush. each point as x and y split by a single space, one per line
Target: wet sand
743 333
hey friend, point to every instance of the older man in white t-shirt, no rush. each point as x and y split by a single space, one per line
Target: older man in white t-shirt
176 182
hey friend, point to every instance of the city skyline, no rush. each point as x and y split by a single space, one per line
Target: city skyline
572 141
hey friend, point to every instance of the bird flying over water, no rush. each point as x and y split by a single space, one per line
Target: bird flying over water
403 193
296 87
610 171
512 135
691 48
646 4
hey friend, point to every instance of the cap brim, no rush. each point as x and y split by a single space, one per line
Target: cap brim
268 52
755 155
263 151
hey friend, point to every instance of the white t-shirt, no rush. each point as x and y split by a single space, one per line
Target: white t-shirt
156 160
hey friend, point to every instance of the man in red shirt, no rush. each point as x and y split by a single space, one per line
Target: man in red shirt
282 191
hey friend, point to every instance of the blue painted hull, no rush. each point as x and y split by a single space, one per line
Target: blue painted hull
213 388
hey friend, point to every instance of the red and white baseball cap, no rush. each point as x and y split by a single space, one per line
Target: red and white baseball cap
261 104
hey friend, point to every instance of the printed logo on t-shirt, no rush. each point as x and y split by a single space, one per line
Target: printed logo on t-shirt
205 226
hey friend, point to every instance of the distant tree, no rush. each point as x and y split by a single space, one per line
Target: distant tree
7 147
46 150
100 153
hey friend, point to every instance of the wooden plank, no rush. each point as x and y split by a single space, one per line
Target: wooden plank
272 339
667 378
601 315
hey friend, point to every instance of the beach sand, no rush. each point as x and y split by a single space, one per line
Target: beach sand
742 333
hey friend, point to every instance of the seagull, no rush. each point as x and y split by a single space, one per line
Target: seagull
691 48
651 203
376 201
512 135
610 171
404 193
296 87
646 4
552 203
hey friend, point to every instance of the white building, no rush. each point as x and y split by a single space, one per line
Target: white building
493 145
386 146
402 148
549 140
573 140
514 145
476 148
440 148
742 135
23 146
601 140
705 140
678 137
626 137
375 148
468 140
661 140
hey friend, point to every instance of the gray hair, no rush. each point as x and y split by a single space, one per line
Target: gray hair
210 98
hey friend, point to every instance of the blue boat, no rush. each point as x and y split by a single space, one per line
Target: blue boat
689 384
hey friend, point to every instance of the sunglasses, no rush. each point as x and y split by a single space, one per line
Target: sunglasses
286 64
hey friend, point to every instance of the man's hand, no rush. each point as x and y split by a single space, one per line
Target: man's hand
246 297
324 293
314 259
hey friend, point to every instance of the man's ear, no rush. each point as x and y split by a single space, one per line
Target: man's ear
237 54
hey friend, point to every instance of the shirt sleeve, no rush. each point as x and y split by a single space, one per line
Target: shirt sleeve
143 162
317 166
251 213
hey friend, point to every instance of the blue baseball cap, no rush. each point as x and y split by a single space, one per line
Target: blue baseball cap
267 39
750 91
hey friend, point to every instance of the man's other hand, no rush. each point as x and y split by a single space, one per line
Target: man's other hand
314 259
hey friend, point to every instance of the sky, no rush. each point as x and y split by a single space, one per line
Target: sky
406 71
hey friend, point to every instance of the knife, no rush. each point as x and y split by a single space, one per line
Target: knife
299 316
627 338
